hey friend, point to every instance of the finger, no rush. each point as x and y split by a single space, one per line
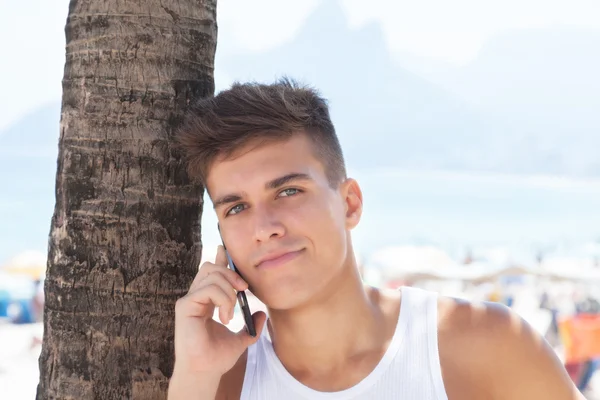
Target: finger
244 337
221 257
201 302
218 278
208 269
202 273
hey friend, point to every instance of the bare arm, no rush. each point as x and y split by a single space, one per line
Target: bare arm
521 363
489 352
184 385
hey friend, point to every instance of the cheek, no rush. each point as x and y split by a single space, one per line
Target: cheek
323 223
333 226
239 245
316 217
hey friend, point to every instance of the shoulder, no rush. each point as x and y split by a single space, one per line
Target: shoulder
230 386
499 352
480 321
477 332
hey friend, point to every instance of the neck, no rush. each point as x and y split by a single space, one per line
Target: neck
342 323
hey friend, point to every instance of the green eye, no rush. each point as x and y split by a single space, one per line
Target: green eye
235 209
288 192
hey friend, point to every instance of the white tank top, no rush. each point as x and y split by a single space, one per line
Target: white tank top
409 369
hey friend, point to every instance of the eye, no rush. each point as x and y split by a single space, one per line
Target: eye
235 209
289 192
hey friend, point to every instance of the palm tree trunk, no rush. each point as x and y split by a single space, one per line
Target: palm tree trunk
125 237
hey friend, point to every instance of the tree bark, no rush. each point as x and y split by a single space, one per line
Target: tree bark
125 236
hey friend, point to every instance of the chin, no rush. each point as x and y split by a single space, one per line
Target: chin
285 297
283 301
297 284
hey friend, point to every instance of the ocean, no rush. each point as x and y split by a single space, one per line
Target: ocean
461 212
455 211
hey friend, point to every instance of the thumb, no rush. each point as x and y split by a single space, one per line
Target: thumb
246 340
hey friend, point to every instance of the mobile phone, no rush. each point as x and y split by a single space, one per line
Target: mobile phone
241 295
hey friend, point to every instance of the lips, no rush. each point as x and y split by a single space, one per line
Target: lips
277 259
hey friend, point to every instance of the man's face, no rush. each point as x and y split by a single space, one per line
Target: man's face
285 227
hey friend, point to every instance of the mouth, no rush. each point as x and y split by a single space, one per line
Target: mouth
278 259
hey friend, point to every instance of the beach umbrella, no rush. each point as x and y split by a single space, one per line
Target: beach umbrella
31 264
399 261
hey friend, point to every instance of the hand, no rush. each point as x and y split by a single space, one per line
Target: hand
203 345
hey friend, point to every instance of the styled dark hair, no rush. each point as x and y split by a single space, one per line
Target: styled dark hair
254 112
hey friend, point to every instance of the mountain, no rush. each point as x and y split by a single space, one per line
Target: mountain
544 83
526 105
28 154
385 115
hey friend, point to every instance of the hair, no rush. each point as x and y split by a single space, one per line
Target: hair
255 113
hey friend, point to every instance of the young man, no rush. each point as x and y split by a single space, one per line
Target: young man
273 167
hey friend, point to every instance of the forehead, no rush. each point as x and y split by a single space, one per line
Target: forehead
255 164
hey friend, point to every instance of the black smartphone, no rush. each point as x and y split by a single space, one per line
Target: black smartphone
241 295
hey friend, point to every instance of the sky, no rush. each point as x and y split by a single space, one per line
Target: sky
32 34
436 32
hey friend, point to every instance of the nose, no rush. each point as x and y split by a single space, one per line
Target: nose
267 225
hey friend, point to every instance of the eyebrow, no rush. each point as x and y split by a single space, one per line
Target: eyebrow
272 184
295 176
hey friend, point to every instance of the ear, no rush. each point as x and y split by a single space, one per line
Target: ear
353 200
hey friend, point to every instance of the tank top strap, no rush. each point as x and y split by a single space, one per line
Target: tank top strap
422 305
